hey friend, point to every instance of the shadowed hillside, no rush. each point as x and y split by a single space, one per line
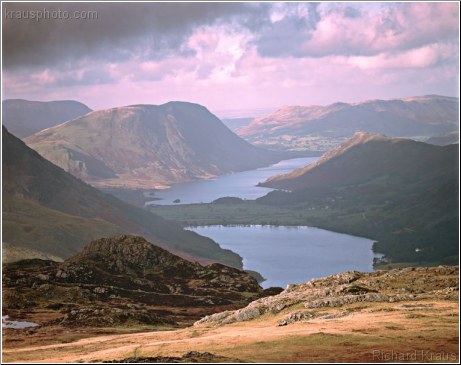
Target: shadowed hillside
51 212
400 192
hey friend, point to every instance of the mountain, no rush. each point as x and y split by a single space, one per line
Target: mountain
367 157
24 117
400 192
148 146
129 281
48 211
234 124
315 127
444 139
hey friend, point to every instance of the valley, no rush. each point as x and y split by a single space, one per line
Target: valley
48 213
322 226
396 192
88 300
230 182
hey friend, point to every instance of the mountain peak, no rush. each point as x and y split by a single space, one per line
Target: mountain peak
125 253
148 146
363 137
119 259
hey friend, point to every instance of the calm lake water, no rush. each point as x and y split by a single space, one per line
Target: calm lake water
240 184
7 323
290 255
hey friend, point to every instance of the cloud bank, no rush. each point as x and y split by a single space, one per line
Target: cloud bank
224 54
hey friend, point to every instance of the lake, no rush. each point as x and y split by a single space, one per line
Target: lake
7 323
240 184
290 255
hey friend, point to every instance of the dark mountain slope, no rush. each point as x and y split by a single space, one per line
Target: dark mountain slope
50 211
148 146
367 157
24 118
400 192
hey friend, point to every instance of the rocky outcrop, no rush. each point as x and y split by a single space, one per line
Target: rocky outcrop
190 357
338 291
132 262
125 279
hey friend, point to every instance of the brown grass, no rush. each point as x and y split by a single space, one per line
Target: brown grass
363 336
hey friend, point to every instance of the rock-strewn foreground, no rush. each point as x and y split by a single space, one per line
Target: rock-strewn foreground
309 300
402 315
122 281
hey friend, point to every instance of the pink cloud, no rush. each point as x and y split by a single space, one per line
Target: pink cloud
377 52
411 25
421 57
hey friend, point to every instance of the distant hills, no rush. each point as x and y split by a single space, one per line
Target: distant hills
148 146
24 118
304 125
51 213
234 124
444 139
400 192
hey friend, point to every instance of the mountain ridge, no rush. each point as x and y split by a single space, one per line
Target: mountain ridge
411 116
148 146
26 117
288 181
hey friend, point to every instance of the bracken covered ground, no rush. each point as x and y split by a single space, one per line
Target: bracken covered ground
404 315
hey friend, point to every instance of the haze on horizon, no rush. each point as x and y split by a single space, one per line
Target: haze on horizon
230 56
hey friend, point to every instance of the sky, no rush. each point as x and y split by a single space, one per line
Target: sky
229 56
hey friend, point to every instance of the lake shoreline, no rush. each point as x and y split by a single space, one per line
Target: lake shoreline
292 254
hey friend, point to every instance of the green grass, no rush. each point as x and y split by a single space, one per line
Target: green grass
246 213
